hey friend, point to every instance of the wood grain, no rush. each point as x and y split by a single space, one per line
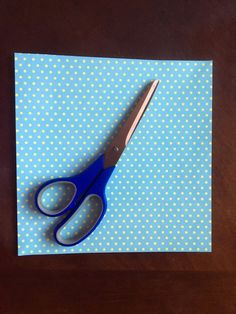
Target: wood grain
123 283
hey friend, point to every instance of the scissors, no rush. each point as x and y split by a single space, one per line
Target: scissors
91 183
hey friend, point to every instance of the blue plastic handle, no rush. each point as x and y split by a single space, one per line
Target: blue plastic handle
91 181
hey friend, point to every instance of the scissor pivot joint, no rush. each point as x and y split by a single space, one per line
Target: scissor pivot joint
116 148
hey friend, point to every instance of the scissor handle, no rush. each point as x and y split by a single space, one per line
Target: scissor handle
97 189
79 182
91 182
53 184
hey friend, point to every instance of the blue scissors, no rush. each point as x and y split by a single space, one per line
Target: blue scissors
91 183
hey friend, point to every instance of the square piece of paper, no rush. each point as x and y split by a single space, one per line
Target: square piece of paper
159 196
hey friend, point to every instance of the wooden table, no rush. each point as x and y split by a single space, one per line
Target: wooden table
123 283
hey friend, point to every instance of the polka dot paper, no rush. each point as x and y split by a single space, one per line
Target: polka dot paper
159 195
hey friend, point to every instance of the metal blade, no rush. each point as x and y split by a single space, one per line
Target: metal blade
123 136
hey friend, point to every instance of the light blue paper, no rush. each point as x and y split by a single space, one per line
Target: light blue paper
159 196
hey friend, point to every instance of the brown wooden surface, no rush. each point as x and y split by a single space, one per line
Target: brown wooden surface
123 283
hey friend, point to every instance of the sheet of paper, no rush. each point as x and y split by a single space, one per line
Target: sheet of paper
159 197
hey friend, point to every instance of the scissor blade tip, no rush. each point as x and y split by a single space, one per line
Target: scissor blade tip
156 82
